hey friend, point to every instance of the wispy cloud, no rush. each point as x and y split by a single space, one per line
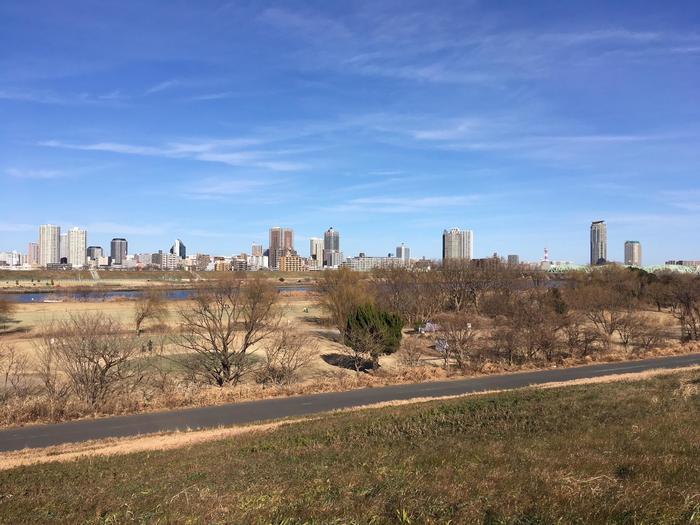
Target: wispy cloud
162 86
686 200
213 96
62 99
404 204
225 151
35 173
216 188
427 46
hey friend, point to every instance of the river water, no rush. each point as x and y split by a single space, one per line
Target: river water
100 295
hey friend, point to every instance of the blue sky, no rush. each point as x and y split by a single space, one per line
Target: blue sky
390 121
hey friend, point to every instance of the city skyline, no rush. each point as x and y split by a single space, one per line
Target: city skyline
71 250
221 118
74 242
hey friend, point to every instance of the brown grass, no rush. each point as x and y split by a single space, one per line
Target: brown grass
174 440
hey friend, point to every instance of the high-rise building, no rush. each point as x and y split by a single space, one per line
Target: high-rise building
331 247
281 240
33 254
63 248
457 244
513 260
599 242
77 247
403 252
119 247
316 252
179 249
49 244
94 252
633 253
256 250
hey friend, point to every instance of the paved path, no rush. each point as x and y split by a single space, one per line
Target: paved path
240 413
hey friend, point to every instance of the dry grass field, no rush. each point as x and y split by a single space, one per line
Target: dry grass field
166 371
300 310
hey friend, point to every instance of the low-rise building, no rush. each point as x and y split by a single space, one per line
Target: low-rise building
222 265
239 264
257 262
291 262
364 263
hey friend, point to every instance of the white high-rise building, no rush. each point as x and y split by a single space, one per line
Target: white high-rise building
316 252
633 253
457 244
77 247
63 247
49 244
599 243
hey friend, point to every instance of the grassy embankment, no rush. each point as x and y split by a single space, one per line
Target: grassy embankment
608 453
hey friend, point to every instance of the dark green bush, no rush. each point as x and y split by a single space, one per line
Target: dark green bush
373 332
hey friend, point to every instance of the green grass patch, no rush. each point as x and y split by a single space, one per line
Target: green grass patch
607 453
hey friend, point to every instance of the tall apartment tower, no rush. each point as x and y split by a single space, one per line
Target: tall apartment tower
49 244
256 250
457 244
63 248
178 248
316 252
633 253
599 243
331 247
403 252
77 247
118 249
281 241
33 253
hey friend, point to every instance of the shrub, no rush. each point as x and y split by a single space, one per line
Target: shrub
372 332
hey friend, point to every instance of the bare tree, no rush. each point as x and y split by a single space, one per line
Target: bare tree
413 294
6 310
150 304
13 370
93 352
53 380
581 339
652 335
528 324
630 327
286 354
225 319
685 304
603 306
341 292
463 341
410 353
465 284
